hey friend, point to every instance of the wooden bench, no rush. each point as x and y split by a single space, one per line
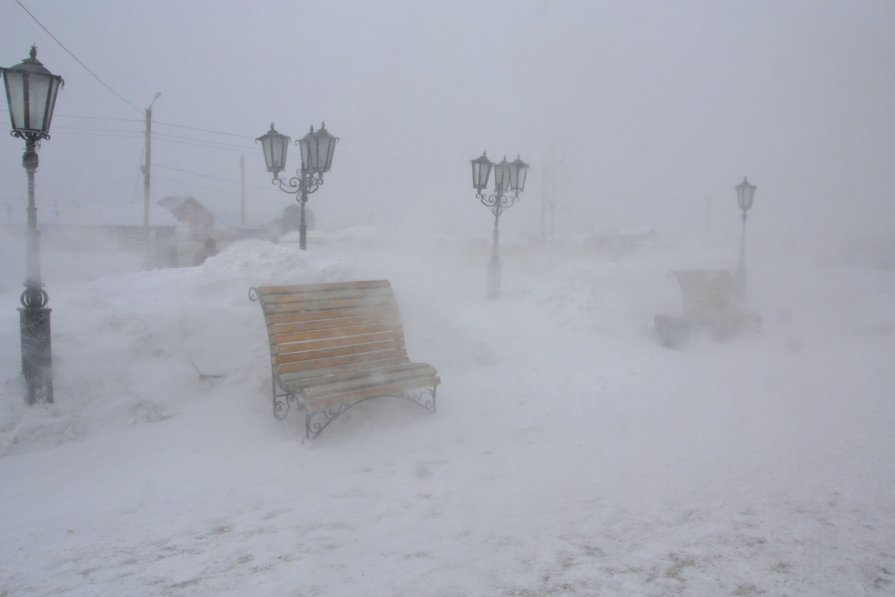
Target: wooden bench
334 345
711 304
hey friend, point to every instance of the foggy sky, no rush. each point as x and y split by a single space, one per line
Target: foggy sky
643 110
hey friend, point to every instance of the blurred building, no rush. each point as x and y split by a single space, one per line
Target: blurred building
190 211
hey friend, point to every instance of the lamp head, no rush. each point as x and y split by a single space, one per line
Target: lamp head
481 172
745 194
31 91
274 146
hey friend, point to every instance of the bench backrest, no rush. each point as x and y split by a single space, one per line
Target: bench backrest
709 295
316 329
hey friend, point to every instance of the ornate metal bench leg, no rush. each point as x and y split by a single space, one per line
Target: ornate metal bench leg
281 405
316 422
281 401
425 397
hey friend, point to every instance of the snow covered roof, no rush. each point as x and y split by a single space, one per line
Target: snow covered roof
173 202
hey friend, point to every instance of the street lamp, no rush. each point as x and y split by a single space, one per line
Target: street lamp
31 92
745 197
317 148
509 181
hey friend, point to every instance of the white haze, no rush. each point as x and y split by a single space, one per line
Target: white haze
642 109
571 454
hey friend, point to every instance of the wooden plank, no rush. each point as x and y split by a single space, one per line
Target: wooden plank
391 323
321 372
325 295
325 307
340 351
311 345
268 290
372 379
300 316
323 402
367 357
278 339
369 303
362 371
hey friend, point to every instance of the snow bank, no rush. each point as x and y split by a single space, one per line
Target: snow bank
570 454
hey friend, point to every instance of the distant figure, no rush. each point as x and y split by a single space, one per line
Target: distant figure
209 249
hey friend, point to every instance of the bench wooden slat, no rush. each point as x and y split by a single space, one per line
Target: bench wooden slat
357 385
301 316
368 377
271 290
309 375
281 338
369 304
314 344
325 295
357 321
338 351
341 360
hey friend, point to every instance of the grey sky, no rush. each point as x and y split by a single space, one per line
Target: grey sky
645 108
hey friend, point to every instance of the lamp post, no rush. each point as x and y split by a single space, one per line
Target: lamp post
317 148
509 181
745 197
31 92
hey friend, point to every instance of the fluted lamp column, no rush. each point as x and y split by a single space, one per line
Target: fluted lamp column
745 197
31 92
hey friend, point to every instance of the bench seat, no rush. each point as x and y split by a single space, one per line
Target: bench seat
711 304
334 345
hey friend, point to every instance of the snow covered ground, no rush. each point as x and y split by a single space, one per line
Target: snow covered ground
570 454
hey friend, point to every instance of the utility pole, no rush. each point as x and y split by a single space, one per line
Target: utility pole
242 190
146 167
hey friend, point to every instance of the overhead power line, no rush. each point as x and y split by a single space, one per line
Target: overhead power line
178 139
208 176
194 128
156 122
196 174
78 60
107 135
205 145
198 186
74 131
96 117
207 142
